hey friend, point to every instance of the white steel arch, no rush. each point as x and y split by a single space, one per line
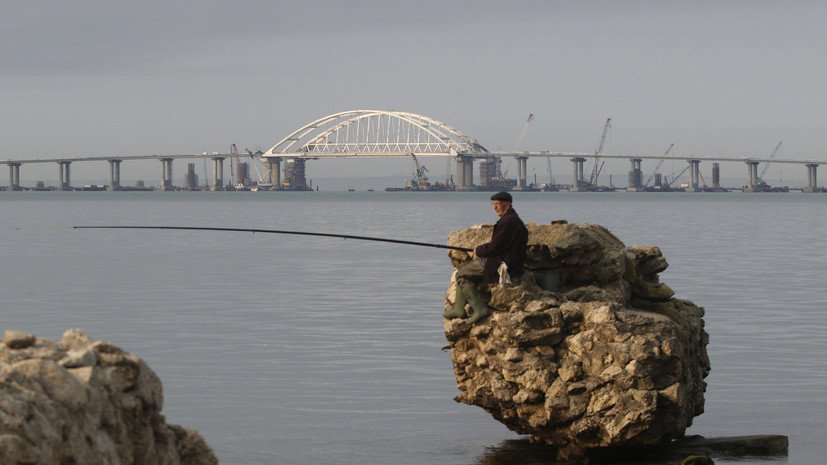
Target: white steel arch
374 133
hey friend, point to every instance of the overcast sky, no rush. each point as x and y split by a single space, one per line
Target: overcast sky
129 78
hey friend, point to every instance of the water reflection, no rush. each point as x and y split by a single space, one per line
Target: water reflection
520 451
524 452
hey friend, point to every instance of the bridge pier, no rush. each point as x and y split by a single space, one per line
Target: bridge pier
579 182
694 175
468 167
218 173
166 174
274 172
115 174
465 172
488 169
294 174
522 172
635 183
716 176
752 176
14 176
812 178
65 176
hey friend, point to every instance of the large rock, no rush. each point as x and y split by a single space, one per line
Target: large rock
80 401
589 350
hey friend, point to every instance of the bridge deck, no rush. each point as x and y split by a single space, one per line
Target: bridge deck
540 154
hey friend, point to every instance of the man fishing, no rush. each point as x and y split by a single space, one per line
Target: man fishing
507 246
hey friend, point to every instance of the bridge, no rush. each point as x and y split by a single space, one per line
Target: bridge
388 134
378 133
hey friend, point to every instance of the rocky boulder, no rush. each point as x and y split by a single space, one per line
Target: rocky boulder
588 350
79 401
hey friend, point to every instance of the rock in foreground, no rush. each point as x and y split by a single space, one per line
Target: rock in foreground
589 350
79 401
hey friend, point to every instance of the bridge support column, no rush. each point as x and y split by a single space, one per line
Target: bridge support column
218 173
166 174
465 172
488 169
65 176
274 172
14 176
635 183
752 177
694 175
294 174
115 175
522 172
716 175
812 178
578 184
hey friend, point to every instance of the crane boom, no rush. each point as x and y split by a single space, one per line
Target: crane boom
419 177
657 167
599 170
233 160
767 165
597 167
603 137
523 131
669 183
255 164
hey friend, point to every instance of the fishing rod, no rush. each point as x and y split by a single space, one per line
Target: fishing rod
277 231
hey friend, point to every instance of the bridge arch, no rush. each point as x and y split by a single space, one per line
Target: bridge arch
374 133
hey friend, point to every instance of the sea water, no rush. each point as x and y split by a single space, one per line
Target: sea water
299 350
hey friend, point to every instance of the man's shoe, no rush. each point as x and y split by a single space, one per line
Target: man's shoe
459 307
478 303
479 314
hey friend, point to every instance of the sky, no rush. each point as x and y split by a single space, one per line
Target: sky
115 78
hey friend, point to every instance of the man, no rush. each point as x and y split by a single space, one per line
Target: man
508 245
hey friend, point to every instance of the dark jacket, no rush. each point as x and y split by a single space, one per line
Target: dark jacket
508 244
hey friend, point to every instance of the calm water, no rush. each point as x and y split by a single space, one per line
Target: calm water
297 350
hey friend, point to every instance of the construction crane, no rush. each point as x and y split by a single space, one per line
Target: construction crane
657 167
254 162
420 180
523 130
598 167
233 161
767 165
703 180
678 176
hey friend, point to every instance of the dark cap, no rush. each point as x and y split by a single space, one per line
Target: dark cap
503 196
